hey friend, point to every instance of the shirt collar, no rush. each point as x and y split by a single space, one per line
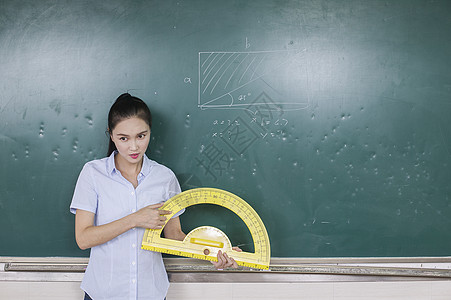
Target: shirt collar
147 164
111 166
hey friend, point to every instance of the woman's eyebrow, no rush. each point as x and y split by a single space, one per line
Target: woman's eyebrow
123 134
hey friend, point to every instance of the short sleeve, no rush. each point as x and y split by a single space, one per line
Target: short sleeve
173 190
85 195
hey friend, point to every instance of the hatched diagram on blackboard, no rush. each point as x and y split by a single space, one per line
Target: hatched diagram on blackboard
254 81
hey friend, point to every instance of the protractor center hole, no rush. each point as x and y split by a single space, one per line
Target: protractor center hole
223 219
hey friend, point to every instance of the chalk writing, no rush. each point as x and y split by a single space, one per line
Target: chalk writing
239 137
226 122
227 79
256 83
261 123
279 122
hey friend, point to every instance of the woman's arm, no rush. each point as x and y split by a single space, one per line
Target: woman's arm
173 230
88 235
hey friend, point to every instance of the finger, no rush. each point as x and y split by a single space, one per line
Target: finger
156 206
230 261
164 212
225 260
234 263
238 249
221 260
220 256
155 225
216 264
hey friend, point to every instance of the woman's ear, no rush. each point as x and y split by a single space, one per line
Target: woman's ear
108 133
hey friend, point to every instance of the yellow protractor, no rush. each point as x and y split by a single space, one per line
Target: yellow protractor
205 242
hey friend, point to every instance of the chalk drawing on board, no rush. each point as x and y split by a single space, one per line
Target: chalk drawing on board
236 80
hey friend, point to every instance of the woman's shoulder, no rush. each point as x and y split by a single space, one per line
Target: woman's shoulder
154 166
98 161
100 164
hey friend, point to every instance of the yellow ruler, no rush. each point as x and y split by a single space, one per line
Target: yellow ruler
205 242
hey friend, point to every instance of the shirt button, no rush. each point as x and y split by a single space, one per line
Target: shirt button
133 263
133 193
134 246
133 210
134 280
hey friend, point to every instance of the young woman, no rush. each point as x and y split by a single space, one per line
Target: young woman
116 198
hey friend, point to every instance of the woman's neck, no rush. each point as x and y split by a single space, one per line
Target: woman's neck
128 170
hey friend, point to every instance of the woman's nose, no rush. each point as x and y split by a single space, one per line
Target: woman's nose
133 145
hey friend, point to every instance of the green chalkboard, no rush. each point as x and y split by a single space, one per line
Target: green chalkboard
332 119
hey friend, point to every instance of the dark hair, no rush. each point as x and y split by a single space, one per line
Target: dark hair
125 107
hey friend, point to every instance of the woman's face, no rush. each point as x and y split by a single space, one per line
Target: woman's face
131 137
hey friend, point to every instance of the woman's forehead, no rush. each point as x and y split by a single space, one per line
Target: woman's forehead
133 125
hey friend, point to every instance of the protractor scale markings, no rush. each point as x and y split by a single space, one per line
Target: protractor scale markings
204 242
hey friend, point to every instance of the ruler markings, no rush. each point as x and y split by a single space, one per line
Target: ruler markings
260 259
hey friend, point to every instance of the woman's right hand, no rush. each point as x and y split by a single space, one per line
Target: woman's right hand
151 216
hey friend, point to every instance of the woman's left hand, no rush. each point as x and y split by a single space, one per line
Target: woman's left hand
224 261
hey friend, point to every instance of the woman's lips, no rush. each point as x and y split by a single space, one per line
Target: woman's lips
134 156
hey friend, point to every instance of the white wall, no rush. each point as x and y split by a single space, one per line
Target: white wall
19 285
414 290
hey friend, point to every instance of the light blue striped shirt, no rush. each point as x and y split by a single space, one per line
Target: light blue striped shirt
120 269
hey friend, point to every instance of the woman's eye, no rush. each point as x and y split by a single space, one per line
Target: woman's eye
123 139
141 136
